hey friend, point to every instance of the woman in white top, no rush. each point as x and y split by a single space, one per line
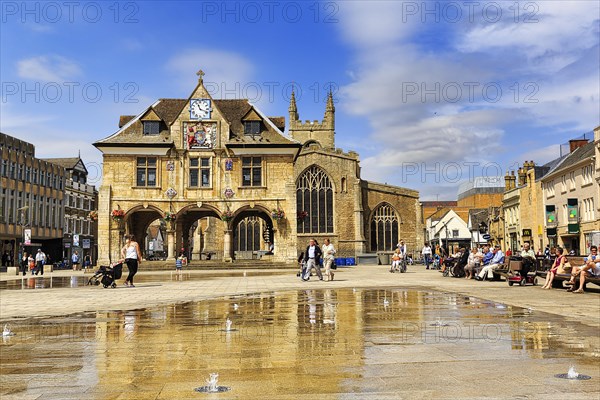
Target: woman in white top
133 256
328 253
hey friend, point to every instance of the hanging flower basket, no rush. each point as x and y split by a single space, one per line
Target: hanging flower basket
302 215
93 215
278 214
169 216
227 216
117 215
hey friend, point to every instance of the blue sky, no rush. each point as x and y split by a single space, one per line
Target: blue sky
429 93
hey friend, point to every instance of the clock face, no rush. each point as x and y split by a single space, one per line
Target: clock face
200 109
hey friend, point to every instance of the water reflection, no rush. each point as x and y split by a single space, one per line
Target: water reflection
302 343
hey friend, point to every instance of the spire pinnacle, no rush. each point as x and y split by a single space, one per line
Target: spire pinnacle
330 106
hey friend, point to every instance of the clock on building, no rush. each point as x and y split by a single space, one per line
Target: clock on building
200 108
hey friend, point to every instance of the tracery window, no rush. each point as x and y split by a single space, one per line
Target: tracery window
314 195
248 234
384 228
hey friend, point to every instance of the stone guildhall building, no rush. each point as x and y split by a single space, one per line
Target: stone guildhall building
226 182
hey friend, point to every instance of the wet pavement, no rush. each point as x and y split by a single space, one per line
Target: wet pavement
367 335
311 343
52 281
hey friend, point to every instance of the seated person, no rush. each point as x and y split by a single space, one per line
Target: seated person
559 263
473 262
496 262
396 260
528 256
590 268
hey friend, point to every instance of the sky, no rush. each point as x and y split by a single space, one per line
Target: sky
430 94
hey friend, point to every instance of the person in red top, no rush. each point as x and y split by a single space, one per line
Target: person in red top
508 252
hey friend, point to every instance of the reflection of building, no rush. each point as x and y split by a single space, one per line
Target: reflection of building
234 182
31 199
80 227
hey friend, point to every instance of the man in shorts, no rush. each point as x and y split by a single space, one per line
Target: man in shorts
590 269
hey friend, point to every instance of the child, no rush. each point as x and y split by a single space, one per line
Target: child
396 258
300 265
179 263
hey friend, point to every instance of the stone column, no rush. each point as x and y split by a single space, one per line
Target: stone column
359 227
227 245
197 242
170 245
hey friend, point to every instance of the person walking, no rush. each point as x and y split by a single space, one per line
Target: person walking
426 252
24 263
75 260
40 260
328 258
312 255
87 262
133 257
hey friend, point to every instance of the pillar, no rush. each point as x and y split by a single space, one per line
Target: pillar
171 245
227 245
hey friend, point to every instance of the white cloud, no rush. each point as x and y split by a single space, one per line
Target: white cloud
48 68
224 70
558 56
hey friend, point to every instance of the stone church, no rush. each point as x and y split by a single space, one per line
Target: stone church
223 181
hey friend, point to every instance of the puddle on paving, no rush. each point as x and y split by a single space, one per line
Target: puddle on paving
303 344
56 282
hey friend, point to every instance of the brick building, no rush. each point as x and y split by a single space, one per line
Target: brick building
226 181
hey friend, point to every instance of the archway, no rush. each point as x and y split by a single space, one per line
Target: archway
252 233
384 227
137 223
199 233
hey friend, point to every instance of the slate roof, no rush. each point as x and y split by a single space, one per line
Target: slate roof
477 216
579 154
124 119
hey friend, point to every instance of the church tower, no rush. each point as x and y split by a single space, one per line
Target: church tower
307 132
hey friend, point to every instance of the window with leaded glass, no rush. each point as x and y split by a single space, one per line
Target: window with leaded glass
314 196
151 127
200 172
251 171
146 171
384 229
248 234
251 127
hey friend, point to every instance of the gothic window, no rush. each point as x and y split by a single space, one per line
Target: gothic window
248 234
314 195
384 229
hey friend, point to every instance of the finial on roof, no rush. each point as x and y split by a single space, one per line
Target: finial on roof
200 74
79 154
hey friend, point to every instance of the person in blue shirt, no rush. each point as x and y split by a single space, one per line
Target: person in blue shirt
496 262
487 255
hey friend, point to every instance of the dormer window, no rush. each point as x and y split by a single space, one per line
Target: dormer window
251 127
151 127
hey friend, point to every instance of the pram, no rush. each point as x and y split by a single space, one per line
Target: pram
107 275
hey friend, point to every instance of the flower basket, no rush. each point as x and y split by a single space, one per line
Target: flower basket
117 215
302 215
278 214
227 216
169 216
93 215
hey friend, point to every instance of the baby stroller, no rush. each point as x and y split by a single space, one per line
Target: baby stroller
107 275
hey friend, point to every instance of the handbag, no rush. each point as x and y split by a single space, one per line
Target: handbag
565 269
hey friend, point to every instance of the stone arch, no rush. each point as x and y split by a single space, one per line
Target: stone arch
187 222
315 195
138 219
384 227
252 228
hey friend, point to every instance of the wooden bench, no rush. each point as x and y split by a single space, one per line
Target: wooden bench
575 261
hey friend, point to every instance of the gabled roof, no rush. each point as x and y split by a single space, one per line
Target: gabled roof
477 216
579 154
233 111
